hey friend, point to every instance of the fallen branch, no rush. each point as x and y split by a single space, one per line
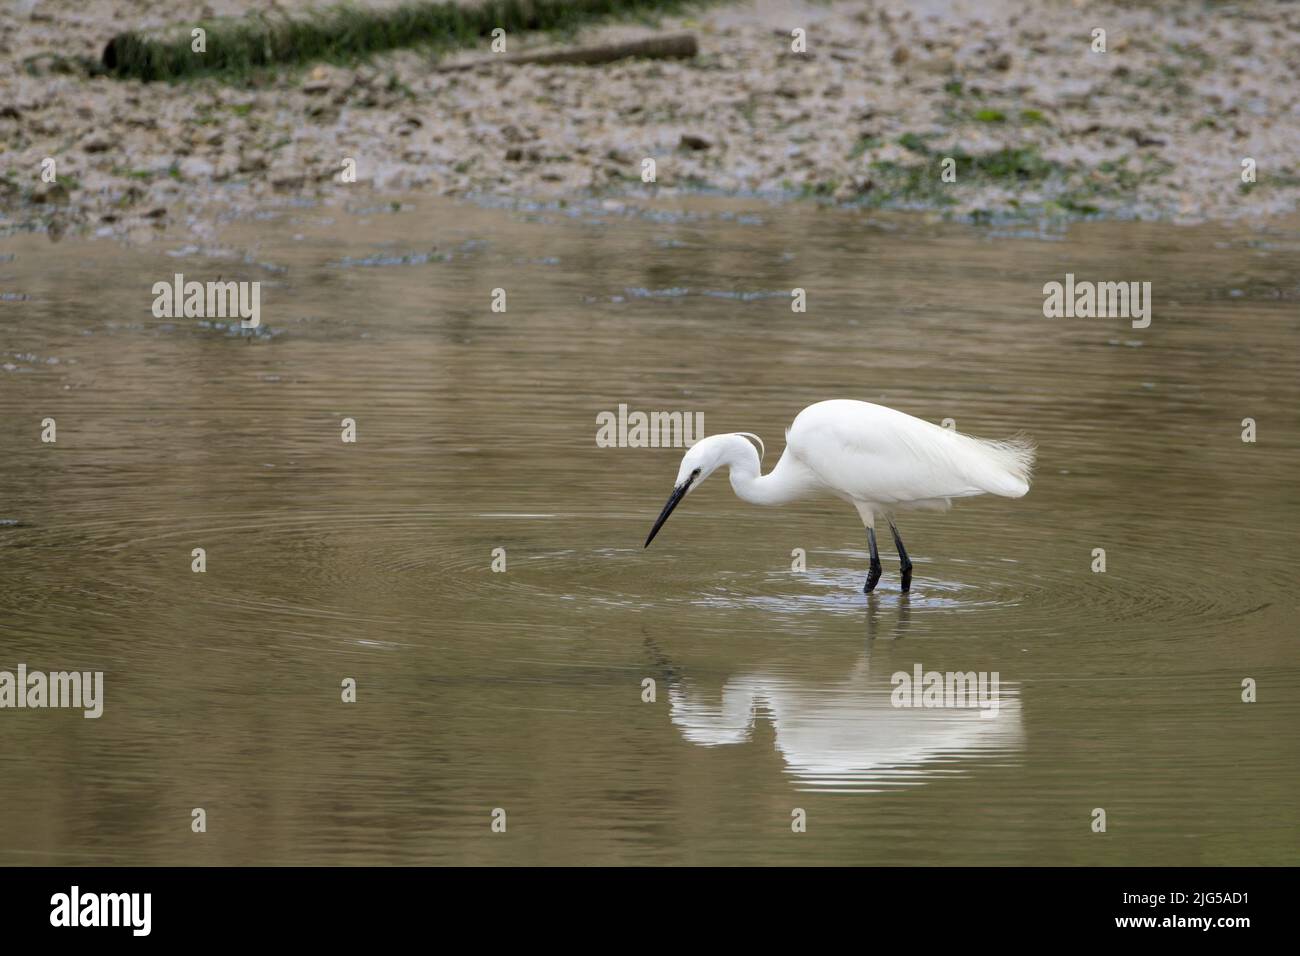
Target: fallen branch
669 46
339 34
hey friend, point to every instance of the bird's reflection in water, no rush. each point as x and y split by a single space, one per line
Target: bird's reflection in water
844 732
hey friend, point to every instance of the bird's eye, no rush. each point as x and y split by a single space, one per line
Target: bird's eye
695 473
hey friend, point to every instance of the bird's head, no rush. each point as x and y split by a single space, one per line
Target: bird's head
700 461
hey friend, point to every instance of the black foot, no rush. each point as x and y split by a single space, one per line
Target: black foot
873 572
904 562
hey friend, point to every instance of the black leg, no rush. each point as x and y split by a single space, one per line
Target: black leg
873 573
904 562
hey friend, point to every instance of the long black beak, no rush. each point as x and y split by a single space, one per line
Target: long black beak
673 501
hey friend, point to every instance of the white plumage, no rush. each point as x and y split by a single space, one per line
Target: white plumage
874 454
876 458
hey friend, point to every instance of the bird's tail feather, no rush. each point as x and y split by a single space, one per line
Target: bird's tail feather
976 466
1004 467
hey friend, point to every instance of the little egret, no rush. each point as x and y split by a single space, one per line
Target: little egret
877 459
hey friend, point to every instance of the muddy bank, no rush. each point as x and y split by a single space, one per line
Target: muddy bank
1035 121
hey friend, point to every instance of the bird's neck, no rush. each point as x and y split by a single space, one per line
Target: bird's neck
749 484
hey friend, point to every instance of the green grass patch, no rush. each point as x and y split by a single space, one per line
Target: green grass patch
1279 180
236 48
144 174
1076 206
922 183
863 144
897 182
913 141
1019 164
821 190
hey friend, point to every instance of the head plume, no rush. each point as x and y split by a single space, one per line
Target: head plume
761 449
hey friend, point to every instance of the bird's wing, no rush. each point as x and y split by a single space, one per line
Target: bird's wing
880 455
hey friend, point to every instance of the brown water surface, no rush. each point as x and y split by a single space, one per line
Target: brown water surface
523 690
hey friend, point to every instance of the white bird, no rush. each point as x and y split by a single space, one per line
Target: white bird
877 459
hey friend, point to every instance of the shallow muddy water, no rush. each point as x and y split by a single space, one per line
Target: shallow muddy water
523 690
